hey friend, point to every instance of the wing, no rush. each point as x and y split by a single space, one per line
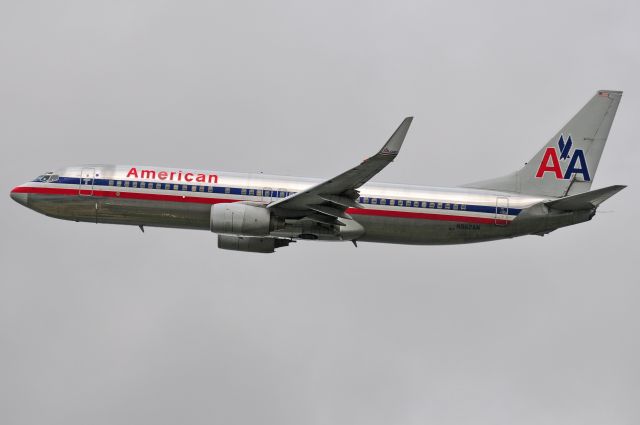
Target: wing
328 201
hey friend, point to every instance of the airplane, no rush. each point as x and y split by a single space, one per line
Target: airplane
260 213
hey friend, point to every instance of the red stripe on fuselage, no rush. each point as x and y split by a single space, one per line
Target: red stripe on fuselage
206 200
125 195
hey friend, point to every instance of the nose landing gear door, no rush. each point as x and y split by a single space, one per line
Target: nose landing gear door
87 176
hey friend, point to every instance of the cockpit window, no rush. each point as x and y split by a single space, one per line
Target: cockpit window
47 177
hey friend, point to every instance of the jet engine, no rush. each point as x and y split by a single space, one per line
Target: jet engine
250 244
240 219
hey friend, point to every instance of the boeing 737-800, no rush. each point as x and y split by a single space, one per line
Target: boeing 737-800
259 213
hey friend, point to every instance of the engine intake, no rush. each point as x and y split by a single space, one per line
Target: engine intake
240 219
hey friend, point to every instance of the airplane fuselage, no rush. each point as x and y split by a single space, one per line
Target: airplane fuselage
180 198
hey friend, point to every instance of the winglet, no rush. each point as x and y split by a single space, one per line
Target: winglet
393 145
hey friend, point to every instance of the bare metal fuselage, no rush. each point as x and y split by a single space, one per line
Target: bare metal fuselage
392 213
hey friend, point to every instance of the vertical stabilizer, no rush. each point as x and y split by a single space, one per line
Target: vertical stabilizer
567 164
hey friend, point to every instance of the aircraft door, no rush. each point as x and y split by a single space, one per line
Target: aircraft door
502 211
281 193
87 177
266 195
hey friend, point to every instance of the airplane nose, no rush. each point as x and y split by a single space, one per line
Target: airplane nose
21 198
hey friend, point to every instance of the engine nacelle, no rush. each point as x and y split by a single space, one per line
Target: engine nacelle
250 244
240 219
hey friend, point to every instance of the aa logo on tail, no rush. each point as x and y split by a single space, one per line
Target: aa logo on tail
551 161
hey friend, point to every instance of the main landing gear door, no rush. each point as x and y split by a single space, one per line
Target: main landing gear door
87 176
502 211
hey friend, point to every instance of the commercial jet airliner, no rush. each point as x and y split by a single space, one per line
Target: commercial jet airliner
259 213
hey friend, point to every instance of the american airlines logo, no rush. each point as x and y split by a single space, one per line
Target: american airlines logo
553 156
178 176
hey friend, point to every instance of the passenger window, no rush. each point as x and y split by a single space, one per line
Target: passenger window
267 193
374 200
126 183
110 182
447 206
134 184
400 203
463 207
118 183
243 192
201 189
193 188
423 204
210 189
158 185
143 185
455 206
227 190
439 205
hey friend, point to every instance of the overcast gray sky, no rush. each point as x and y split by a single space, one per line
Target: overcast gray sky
105 325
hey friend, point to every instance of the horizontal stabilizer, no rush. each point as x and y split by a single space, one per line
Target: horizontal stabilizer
585 201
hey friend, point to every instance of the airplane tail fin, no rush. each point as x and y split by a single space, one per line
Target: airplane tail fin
567 164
